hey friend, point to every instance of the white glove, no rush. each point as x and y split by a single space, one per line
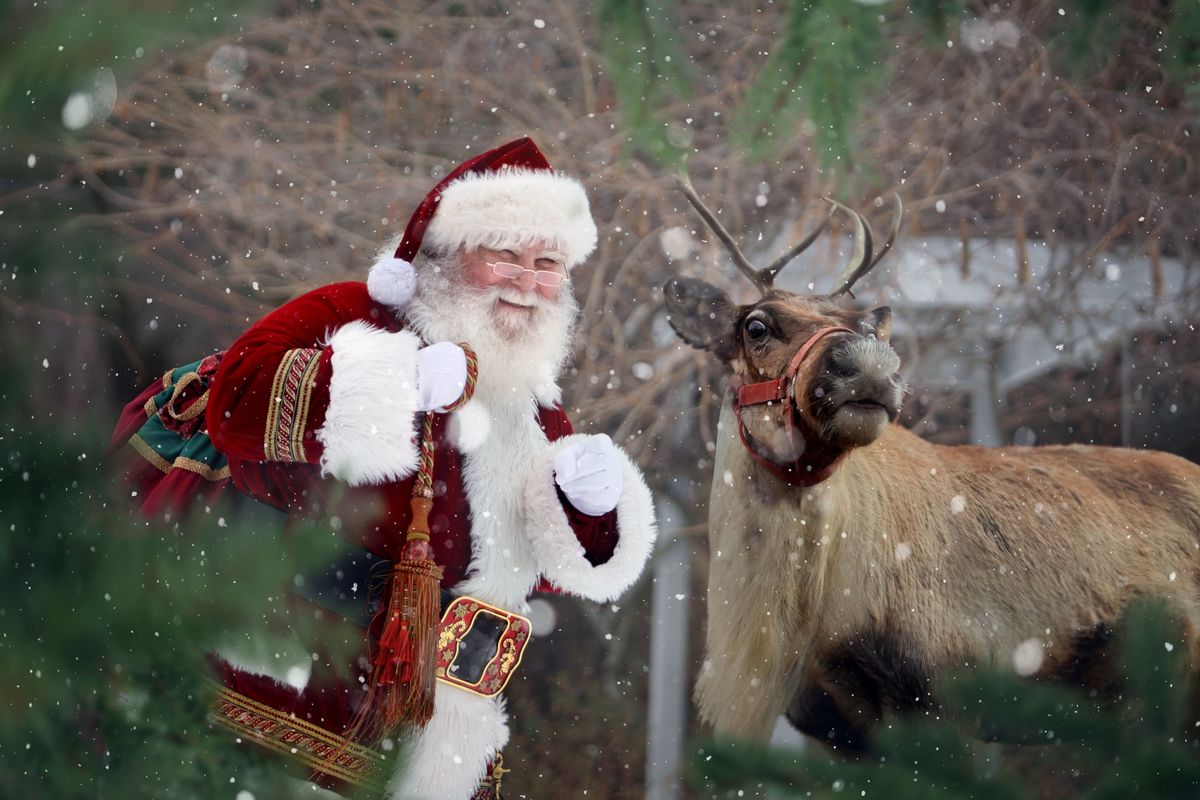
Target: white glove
589 474
441 375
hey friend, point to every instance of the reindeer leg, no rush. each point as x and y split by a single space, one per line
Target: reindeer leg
816 712
860 680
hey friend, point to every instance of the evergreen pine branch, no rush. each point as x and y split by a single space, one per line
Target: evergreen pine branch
646 66
943 758
1154 667
827 60
936 18
1088 34
108 691
48 50
1003 707
1107 748
1181 55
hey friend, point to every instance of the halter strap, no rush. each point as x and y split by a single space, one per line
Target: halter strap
796 473
752 394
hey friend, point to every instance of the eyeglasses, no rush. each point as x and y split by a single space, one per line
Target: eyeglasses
543 277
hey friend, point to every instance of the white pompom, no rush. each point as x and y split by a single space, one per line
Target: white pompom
392 282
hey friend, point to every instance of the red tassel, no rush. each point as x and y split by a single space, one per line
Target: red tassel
401 687
392 650
402 682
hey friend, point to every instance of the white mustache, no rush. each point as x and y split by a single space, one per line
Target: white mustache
519 298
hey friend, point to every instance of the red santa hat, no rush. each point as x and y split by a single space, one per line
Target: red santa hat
505 198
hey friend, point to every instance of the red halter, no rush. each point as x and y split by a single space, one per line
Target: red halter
780 389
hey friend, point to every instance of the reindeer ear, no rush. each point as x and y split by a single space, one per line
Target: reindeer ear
702 315
878 321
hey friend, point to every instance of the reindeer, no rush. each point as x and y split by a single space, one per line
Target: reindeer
851 560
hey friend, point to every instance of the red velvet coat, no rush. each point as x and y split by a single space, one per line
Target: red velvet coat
269 399
313 407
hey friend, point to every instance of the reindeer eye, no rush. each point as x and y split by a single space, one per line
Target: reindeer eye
756 329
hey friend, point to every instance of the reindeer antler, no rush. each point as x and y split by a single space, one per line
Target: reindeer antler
756 276
862 259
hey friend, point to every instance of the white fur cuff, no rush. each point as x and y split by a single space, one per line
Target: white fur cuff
448 758
559 554
368 433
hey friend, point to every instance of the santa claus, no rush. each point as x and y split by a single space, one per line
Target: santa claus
440 371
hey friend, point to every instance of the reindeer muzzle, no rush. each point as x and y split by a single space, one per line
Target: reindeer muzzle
780 389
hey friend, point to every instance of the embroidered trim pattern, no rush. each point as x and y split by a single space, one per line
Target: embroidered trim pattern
495 656
287 412
310 744
489 787
196 408
147 452
151 407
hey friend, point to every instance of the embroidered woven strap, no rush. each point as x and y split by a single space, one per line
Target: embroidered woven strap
423 486
318 749
287 407
401 686
472 377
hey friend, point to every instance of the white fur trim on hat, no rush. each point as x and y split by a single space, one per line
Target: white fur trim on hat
392 282
514 207
559 554
368 433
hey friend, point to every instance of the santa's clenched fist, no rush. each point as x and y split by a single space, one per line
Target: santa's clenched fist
589 474
441 376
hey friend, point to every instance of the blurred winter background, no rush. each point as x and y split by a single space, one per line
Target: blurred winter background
171 170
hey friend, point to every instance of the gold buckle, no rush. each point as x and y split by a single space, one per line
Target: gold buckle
479 646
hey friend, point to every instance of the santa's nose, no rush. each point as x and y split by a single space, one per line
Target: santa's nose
525 281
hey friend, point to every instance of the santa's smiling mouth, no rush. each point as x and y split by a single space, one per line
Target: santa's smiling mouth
503 303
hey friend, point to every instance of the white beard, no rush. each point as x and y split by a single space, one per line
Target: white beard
497 432
520 353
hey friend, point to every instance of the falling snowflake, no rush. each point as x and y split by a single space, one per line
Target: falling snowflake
1028 656
676 243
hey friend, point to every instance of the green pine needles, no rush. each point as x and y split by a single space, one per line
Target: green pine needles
996 736
105 624
645 64
830 59
827 61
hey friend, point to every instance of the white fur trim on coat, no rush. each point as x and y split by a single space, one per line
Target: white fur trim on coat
513 208
448 758
559 553
368 433
392 282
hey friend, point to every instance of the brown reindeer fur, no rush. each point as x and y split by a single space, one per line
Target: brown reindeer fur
837 603
1045 543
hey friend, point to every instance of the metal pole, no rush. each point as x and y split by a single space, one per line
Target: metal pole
985 423
1126 392
666 725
